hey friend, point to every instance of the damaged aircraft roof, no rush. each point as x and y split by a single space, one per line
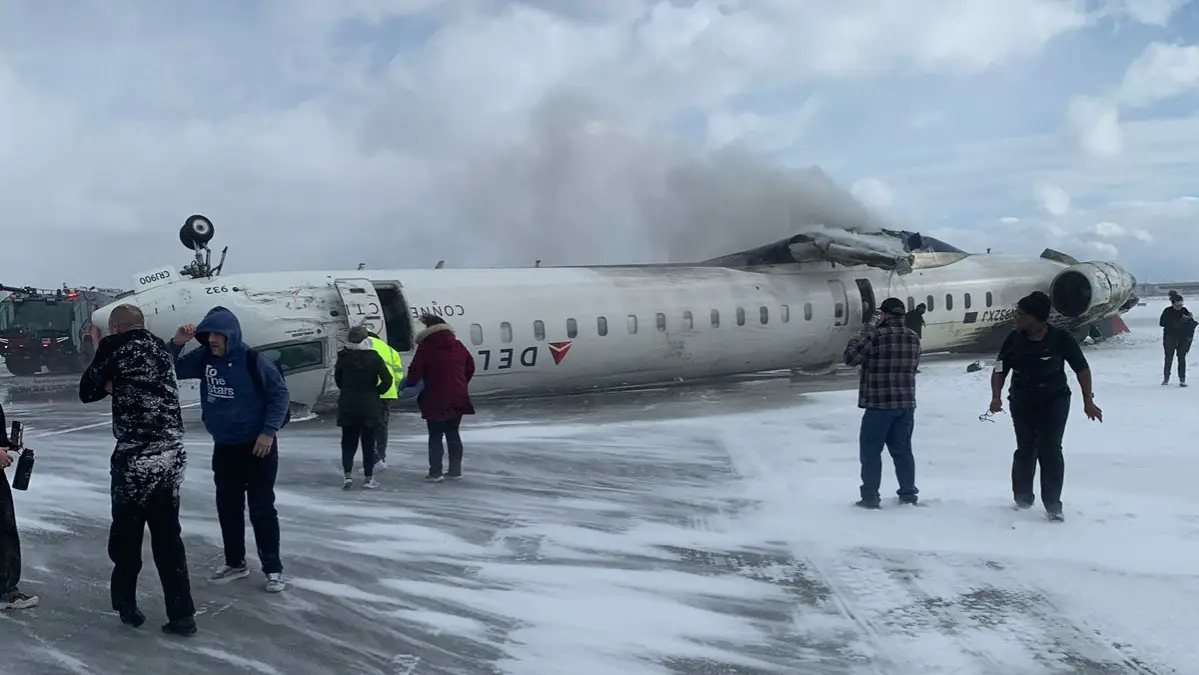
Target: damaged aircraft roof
891 250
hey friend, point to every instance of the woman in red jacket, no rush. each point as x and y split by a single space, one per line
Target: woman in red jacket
446 366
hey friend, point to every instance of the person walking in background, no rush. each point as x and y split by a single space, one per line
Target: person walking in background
915 320
1178 331
446 367
1036 353
888 353
11 596
245 402
396 366
362 376
147 465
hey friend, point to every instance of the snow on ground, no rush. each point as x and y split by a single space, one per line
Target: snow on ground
673 532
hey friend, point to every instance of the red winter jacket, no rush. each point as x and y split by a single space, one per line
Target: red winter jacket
446 366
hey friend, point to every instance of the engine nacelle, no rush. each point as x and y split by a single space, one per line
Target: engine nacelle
1091 290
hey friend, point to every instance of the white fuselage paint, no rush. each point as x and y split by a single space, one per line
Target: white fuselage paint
509 318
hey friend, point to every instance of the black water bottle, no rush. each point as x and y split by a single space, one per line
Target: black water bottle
20 479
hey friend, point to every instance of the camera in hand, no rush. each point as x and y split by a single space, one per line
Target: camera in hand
20 479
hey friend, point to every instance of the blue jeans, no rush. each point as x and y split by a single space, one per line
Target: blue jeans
892 428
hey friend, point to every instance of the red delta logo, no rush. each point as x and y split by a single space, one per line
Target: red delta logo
558 351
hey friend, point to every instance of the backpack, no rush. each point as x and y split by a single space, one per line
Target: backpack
252 366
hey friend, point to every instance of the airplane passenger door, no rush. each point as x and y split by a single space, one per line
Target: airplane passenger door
362 304
840 303
868 301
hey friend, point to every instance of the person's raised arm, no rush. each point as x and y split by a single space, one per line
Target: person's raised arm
93 384
190 366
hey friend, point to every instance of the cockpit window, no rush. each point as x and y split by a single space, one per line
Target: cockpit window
296 356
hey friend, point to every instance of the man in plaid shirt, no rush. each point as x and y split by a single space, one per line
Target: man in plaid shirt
889 354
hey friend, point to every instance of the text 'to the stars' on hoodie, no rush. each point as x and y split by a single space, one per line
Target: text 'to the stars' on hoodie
234 411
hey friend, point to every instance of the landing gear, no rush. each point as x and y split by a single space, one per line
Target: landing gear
196 232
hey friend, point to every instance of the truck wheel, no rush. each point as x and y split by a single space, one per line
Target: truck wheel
22 367
196 229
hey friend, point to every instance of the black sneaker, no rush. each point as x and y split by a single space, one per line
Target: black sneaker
909 500
454 475
133 617
867 504
434 478
183 627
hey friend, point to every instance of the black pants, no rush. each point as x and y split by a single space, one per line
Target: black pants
159 511
1179 346
1040 425
10 541
241 479
448 429
351 436
381 429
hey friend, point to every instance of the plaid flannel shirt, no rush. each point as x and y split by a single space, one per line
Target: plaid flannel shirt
889 355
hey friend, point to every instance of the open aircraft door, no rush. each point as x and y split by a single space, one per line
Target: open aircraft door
362 304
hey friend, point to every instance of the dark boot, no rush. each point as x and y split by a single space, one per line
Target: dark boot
183 627
133 617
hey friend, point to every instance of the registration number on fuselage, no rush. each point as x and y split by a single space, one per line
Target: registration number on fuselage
998 315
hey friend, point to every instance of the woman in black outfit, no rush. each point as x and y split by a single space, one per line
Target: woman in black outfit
362 377
1178 330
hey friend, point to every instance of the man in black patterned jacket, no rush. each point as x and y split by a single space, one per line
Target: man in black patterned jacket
147 465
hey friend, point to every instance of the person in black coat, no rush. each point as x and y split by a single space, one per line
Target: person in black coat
1178 331
10 541
362 377
133 368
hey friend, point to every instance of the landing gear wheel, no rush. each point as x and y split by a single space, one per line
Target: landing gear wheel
196 230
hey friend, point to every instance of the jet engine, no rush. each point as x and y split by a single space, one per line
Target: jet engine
1090 291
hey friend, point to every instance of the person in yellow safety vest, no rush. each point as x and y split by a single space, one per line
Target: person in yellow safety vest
392 358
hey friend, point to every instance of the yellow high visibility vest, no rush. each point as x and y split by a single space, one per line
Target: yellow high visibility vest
392 358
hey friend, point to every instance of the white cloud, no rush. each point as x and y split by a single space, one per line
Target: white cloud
1160 73
1109 230
489 132
1053 199
1095 125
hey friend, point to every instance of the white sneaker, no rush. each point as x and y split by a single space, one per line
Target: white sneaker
380 465
226 573
275 583
347 483
18 600
370 484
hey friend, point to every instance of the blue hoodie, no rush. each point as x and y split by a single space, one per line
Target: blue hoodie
233 409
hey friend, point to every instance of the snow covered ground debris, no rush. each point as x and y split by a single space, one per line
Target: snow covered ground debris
691 532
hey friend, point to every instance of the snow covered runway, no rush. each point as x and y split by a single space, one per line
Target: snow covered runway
690 532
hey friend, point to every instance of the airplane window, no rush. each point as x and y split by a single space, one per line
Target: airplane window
505 332
929 305
688 320
740 316
911 303
948 301
839 310
572 328
296 356
539 330
601 326
988 298
476 334
786 313
807 311
661 322
716 318
763 315
632 323
966 300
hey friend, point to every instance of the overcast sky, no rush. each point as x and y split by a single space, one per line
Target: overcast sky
319 133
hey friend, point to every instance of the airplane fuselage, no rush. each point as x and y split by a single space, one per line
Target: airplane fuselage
554 330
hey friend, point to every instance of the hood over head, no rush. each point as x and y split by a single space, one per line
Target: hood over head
440 330
221 321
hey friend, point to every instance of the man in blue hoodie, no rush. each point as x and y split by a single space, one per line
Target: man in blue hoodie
244 401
